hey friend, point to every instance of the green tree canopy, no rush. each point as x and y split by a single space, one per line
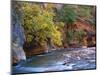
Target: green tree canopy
67 14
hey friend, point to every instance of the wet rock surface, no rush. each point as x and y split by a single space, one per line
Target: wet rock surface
69 59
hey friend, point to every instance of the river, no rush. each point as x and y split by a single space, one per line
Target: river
69 59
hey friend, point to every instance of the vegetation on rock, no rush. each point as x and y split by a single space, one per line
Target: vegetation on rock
46 25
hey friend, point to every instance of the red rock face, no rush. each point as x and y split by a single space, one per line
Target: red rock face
35 51
83 26
89 40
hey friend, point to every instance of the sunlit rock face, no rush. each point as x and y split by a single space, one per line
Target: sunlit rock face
18 39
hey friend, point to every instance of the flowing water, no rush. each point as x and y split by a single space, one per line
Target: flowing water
59 60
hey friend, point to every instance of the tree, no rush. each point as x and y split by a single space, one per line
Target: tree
67 15
39 25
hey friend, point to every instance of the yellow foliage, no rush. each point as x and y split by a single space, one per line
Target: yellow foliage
39 22
57 37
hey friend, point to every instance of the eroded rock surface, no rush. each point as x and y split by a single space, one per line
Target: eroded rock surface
18 39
